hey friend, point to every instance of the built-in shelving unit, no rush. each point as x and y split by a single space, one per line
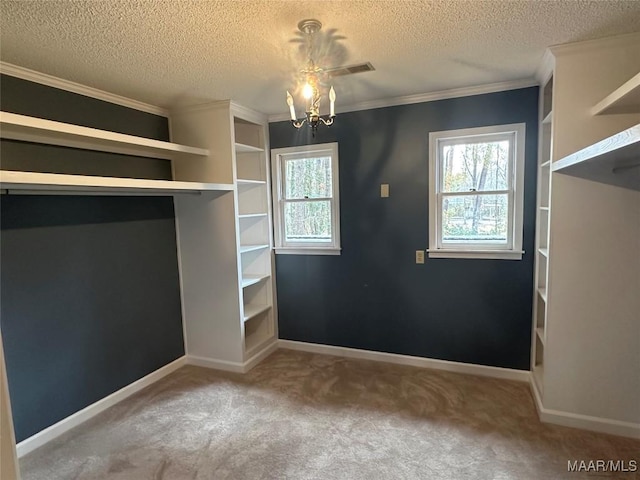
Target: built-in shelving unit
585 341
624 99
24 182
540 303
254 232
614 160
226 246
38 130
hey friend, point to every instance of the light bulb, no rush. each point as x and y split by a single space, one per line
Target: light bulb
307 91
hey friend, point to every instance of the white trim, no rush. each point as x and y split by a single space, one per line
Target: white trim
545 68
278 158
617 41
584 422
513 249
445 365
69 86
427 97
307 251
30 444
236 367
486 254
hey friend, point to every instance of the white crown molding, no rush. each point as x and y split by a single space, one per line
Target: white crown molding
30 444
422 362
69 86
545 67
589 45
427 97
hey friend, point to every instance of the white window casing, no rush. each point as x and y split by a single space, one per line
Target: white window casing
286 244
511 247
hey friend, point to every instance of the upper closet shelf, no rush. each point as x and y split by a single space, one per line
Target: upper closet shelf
39 130
614 160
625 99
243 148
86 185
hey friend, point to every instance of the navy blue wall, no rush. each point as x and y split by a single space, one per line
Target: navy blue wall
90 297
374 296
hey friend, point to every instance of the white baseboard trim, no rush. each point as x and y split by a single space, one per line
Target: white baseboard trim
236 367
468 368
584 422
30 444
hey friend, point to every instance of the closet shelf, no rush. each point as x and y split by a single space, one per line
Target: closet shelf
244 148
81 184
624 99
245 181
252 248
544 251
248 280
251 311
614 160
542 291
39 130
548 118
540 334
252 215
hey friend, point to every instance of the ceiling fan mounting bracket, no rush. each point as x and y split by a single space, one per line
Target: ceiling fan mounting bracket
309 26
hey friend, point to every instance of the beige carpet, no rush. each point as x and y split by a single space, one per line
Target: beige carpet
302 416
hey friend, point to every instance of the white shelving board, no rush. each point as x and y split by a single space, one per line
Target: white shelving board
243 148
249 280
624 99
614 160
245 181
252 248
39 130
54 182
251 311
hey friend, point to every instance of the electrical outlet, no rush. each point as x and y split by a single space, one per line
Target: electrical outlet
419 256
384 190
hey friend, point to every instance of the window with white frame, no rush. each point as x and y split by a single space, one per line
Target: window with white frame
306 199
476 183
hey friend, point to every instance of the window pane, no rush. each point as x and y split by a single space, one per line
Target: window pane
475 218
475 166
307 221
308 178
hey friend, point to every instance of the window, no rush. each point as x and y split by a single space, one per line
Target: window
306 199
476 180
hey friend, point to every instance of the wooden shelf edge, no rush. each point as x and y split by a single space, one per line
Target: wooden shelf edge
252 215
544 252
548 118
55 182
542 291
613 160
38 130
245 148
253 248
251 311
246 181
624 99
540 334
248 280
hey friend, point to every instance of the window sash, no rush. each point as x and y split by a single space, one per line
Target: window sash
279 159
440 193
477 244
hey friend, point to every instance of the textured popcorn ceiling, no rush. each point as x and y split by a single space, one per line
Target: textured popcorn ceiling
167 52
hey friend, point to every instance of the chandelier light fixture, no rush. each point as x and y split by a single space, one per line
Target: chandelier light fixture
311 90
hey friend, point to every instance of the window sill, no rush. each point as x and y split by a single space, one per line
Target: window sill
486 254
307 251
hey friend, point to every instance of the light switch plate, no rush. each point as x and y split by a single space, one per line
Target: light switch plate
384 190
419 256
